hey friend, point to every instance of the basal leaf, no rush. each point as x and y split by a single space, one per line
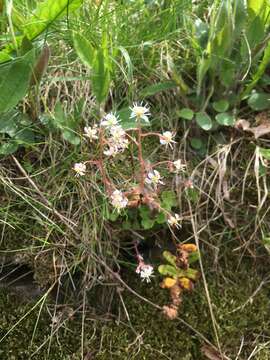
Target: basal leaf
204 121
14 81
225 119
259 101
186 114
221 105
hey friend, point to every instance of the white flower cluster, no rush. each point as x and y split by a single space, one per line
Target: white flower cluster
144 270
117 142
119 200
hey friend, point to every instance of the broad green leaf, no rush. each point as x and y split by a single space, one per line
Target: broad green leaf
259 101
14 81
225 119
204 121
186 114
221 105
84 49
100 77
157 88
45 13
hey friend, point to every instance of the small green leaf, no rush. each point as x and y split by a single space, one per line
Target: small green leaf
168 270
221 105
225 119
204 121
265 153
196 143
193 257
8 124
71 137
171 259
259 101
186 114
169 199
161 218
192 194
147 223
25 136
8 148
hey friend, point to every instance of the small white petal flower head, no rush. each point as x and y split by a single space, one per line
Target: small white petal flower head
138 111
91 132
111 151
109 120
174 221
154 178
167 139
117 142
80 169
179 165
118 200
117 133
146 273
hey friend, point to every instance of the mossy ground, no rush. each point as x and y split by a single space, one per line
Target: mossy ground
147 335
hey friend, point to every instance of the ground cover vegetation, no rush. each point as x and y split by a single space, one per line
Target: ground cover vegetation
134 142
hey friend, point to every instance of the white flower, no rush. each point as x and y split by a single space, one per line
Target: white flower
118 200
174 221
109 120
117 133
179 166
117 142
167 139
146 272
138 111
80 169
91 132
154 178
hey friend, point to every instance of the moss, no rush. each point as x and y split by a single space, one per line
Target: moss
148 335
